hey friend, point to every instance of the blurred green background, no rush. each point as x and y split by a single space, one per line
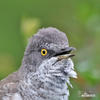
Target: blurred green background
80 19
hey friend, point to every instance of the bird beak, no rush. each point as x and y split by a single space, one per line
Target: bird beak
65 53
65 56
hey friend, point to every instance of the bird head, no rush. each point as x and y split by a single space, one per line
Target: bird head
47 44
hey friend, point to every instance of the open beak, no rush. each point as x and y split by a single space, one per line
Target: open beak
65 56
65 53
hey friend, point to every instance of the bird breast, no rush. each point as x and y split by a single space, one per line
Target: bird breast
49 81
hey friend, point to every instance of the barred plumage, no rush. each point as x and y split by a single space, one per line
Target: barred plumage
42 77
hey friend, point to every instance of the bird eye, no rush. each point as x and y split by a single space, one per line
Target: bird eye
43 52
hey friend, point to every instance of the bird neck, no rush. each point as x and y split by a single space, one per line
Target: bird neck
47 81
29 65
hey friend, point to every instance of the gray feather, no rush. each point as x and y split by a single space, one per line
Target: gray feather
41 77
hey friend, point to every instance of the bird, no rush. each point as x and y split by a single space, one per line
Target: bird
45 70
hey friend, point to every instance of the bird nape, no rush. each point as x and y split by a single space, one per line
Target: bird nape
46 68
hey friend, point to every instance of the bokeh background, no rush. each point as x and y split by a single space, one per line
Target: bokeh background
80 19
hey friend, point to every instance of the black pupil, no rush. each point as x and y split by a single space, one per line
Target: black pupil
43 51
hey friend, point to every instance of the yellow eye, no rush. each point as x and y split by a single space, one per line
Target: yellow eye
43 52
